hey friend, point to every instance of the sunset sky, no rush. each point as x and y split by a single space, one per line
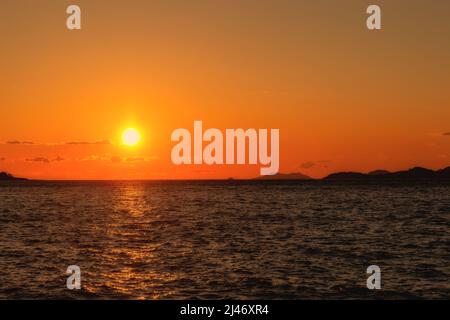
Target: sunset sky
344 98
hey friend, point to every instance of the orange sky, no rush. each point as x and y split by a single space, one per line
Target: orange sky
343 97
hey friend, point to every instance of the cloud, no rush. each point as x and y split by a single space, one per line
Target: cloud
19 142
307 165
96 142
104 157
141 159
91 158
134 159
116 159
45 160
38 159
324 163
447 134
2 158
88 142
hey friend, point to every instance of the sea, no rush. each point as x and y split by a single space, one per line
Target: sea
223 240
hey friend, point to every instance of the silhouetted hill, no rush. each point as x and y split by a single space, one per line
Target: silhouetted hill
378 172
6 176
445 171
285 176
416 174
346 176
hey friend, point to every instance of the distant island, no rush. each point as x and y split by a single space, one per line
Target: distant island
4 176
285 176
416 174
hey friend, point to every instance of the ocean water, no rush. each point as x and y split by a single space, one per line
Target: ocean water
229 239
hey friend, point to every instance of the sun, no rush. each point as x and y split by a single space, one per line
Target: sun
131 137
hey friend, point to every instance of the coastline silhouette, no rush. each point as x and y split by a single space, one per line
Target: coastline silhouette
416 174
5 176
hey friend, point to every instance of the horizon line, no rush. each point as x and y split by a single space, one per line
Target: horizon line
257 178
